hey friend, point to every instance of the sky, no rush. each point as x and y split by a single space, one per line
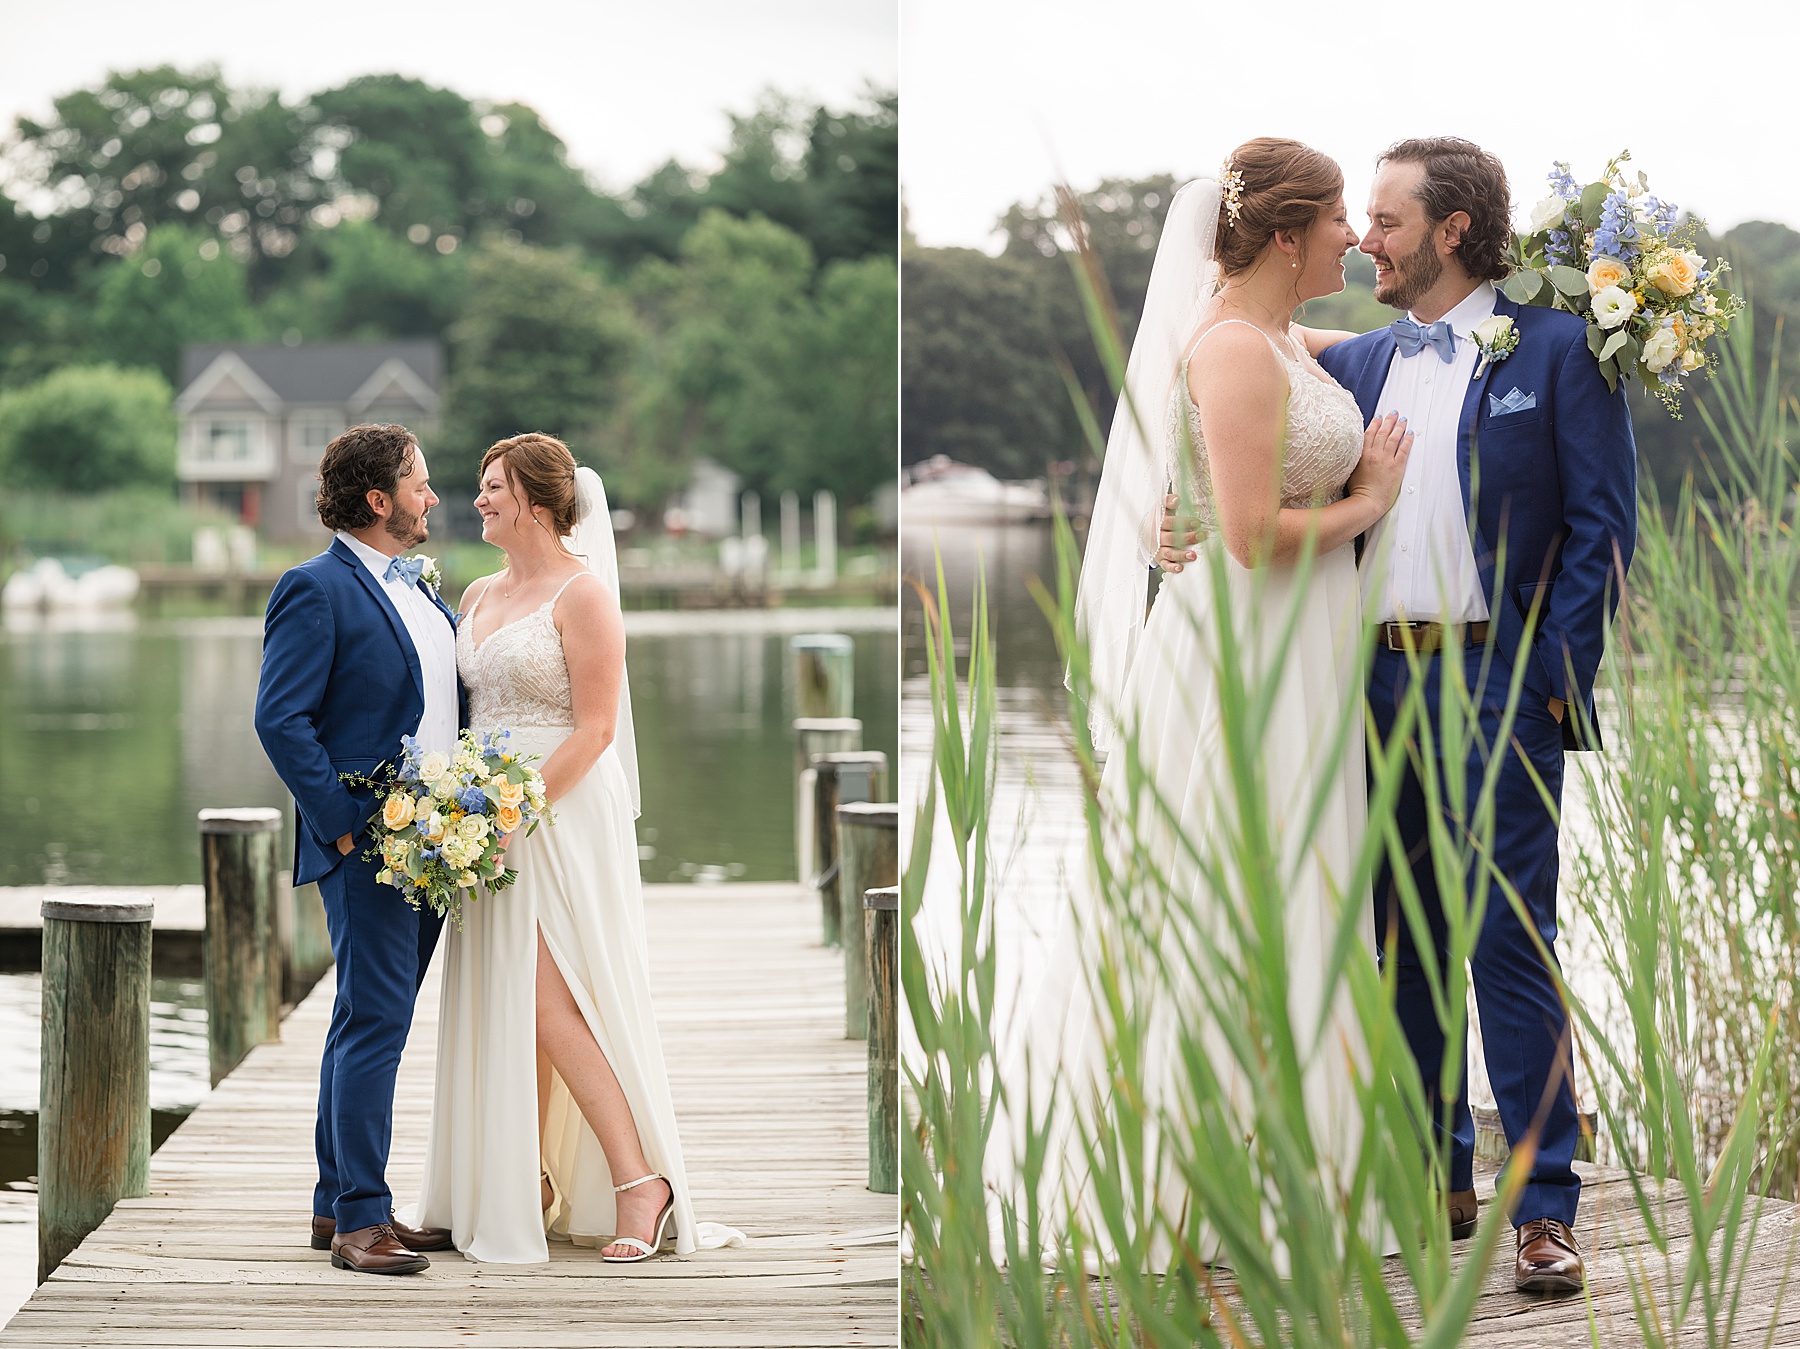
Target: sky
1001 101
626 85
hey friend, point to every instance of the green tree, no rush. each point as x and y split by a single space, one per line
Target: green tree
362 282
852 416
180 287
88 429
980 381
541 346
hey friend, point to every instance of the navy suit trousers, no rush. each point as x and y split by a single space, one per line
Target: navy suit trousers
1523 1024
382 946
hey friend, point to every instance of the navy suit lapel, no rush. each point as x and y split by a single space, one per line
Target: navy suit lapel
1372 378
1468 451
341 551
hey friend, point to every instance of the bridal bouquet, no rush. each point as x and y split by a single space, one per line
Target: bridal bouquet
442 816
1613 253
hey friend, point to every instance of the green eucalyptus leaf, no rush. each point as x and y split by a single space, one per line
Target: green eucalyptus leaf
1592 198
1613 343
1569 281
1520 287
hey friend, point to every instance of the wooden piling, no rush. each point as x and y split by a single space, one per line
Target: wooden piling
881 947
868 835
824 674
305 943
814 736
838 778
94 1075
241 946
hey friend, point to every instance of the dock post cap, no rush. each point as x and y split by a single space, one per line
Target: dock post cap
240 820
880 814
803 724
821 641
882 897
99 906
850 756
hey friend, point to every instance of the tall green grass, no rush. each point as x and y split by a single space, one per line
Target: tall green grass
1207 1215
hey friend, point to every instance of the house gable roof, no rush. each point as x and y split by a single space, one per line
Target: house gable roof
326 374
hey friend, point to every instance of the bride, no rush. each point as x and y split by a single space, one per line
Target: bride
1225 406
552 1109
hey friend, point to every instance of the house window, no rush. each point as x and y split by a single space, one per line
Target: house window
307 512
226 442
311 434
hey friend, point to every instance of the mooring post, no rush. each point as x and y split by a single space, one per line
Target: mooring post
824 674
881 946
309 954
240 947
868 857
840 777
814 736
94 1074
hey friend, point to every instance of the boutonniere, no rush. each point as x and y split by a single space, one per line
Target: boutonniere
428 572
1495 338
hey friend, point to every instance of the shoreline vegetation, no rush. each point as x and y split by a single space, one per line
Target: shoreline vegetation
1690 1049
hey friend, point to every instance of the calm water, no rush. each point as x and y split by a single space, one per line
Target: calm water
110 741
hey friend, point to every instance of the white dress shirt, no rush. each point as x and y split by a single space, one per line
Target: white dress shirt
434 640
1418 563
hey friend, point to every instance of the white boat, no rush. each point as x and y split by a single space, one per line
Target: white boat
47 586
944 492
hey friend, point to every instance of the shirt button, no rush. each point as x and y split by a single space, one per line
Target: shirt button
1403 547
1412 489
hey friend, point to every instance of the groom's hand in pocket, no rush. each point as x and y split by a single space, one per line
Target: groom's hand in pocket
346 844
1174 550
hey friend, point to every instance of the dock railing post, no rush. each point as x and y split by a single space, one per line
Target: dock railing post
881 947
814 736
868 857
839 777
311 953
824 674
94 1074
240 947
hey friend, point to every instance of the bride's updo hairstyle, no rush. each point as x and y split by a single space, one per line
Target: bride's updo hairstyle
1281 185
541 469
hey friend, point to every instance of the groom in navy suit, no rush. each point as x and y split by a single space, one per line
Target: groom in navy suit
1519 503
358 653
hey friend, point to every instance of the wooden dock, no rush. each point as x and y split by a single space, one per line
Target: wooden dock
771 1102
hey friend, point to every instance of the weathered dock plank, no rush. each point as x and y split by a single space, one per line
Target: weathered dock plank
771 1100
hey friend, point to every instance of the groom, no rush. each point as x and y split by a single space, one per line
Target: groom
1519 501
357 653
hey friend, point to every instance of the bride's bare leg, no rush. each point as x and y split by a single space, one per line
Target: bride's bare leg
543 1093
563 1036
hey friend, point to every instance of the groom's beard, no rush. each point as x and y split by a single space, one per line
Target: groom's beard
405 528
1413 275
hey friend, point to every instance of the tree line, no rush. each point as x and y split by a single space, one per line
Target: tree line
746 313
1000 368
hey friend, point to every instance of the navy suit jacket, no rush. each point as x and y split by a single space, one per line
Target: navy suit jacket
341 684
1550 492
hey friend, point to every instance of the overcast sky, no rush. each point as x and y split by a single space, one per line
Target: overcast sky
626 85
1000 100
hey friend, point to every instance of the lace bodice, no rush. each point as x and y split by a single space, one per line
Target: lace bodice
1324 426
517 678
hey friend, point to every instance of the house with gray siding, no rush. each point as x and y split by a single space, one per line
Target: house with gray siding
256 419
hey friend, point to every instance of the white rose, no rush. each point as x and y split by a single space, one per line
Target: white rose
1547 214
1661 347
1612 306
1491 329
434 765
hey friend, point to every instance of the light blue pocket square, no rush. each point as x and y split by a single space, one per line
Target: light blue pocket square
1513 402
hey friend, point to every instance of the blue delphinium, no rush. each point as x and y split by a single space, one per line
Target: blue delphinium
1617 235
473 800
1559 249
1562 182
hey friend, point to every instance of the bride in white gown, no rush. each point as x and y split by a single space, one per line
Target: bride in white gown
552 1109
1280 476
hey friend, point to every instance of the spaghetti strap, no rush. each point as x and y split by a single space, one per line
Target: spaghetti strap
1286 356
551 602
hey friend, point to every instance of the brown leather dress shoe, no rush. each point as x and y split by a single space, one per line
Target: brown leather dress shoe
375 1250
1549 1259
413 1238
1463 1211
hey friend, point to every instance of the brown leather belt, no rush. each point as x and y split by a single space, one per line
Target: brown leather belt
1426 638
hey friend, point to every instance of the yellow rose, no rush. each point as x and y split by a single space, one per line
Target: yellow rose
1692 360
1603 272
397 811
511 793
1675 273
509 818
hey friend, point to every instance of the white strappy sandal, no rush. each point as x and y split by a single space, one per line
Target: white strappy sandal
664 1228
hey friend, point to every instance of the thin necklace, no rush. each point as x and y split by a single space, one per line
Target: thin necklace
507 590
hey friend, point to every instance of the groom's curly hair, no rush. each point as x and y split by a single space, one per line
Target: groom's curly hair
364 459
1461 176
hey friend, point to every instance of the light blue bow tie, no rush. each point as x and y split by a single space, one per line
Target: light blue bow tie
1411 338
404 569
